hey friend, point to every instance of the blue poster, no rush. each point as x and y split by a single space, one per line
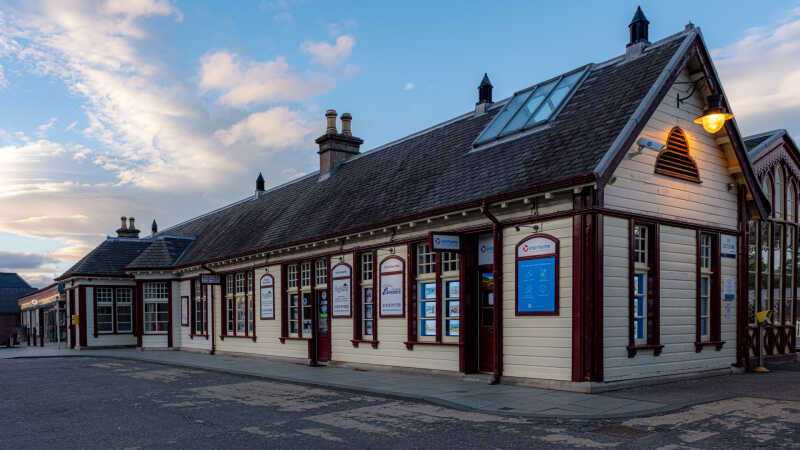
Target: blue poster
536 286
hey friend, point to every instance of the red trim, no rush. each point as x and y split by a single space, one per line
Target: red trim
556 292
357 288
284 305
94 310
213 321
497 275
139 312
439 304
413 343
411 288
253 303
403 297
330 288
261 299
114 313
170 325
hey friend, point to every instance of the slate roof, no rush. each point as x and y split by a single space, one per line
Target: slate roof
758 142
436 169
164 251
12 287
108 258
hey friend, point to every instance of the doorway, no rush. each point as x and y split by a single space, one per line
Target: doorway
486 320
323 326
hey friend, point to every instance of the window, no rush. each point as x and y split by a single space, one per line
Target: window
308 314
776 293
644 309
449 261
321 272
752 270
104 298
791 198
305 274
294 315
426 259
788 300
704 314
531 107
124 305
229 285
674 160
366 266
239 314
779 192
156 307
368 312
766 184
291 276
200 313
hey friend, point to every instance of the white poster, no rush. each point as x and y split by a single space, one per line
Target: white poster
727 246
392 295
341 297
729 288
485 249
267 297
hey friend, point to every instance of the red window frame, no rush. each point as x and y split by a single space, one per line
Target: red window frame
114 300
653 317
358 335
249 304
715 294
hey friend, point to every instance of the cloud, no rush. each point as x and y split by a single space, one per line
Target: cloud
245 83
141 8
761 75
408 86
3 80
290 173
45 126
327 54
272 129
71 126
13 261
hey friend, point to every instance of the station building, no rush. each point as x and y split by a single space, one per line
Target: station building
43 316
592 229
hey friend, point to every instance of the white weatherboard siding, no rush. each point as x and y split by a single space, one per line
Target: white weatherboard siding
678 308
538 346
638 189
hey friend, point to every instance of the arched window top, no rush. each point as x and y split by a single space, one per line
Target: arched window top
766 185
674 160
791 202
780 186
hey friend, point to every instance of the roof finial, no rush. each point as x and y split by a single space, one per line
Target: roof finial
485 90
260 183
639 27
154 227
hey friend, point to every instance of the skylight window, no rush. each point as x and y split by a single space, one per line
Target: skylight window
530 107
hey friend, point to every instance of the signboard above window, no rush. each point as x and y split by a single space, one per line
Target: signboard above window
445 242
207 278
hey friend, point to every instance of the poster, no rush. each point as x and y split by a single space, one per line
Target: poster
341 297
727 246
729 309
185 311
452 327
728 288
453 290
453 308
485 249
267 297
428 310
429 328
536 285
428 291
391 295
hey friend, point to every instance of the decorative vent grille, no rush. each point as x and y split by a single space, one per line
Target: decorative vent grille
674 160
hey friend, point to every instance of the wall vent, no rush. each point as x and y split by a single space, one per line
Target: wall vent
674 160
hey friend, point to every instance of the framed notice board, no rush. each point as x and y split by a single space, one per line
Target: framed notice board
537 276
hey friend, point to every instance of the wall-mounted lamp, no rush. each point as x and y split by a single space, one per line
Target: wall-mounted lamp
715 115
341 258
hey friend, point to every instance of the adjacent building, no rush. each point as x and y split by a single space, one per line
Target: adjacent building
12 286
591 229
43 313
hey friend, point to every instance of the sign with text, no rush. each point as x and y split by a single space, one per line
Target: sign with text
485 249
392 294
210 278
537 276
445 242
185 311
342 289
727 247
267 285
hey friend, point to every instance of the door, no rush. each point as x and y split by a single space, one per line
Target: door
323 327
486 336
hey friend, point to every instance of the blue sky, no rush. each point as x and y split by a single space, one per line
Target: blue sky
159 109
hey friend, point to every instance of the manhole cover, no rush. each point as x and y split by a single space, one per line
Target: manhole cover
622 431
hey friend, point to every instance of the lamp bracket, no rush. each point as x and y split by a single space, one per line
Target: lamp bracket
695 85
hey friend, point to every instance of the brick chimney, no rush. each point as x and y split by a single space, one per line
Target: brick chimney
335 147
127 231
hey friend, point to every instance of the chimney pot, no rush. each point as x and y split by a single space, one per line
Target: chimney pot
331 116
131 227
346 119
124 225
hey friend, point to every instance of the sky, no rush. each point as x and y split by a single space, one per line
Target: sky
164 110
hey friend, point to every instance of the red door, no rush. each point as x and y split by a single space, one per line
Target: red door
69 318
323 327
486 336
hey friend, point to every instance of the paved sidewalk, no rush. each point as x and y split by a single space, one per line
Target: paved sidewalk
442 390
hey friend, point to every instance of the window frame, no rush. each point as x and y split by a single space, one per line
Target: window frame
158 302
243 295
650 267
199 308
709 268
114 304
421 275
366 278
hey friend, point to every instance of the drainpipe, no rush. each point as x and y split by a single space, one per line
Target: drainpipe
497 276
213 315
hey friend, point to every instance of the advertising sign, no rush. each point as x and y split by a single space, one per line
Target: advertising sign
267 285
391 295
445 242
727 246
728 288
536 246
210 278
185 311
485 249
341 297
536 290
